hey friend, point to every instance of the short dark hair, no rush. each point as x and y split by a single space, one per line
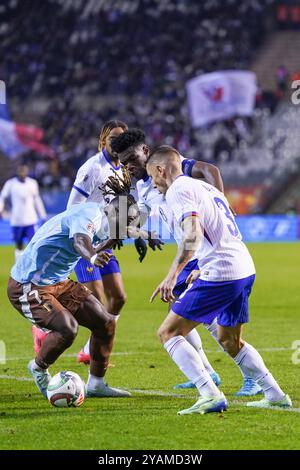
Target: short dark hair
161 150
129 138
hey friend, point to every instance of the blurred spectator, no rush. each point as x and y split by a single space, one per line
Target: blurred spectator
82 63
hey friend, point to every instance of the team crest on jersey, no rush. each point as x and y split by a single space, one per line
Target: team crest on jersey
90 269
85 178
91 228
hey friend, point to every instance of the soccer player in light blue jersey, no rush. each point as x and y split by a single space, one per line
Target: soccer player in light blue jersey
105 282
226 277
40 290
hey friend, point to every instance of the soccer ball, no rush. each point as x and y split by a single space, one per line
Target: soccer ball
66 389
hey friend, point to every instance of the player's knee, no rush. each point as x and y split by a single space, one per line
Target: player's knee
69 330
106 331
117 302
164 334
110 328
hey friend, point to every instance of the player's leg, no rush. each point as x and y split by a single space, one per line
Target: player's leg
172 334
104 282
40 306
230 324
193 336
18 237
113 286
93 315
90 276
249 387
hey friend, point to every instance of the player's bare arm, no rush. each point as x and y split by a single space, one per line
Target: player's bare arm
209 173
192 237
83 246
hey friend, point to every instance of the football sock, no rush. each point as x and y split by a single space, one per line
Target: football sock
190 363
37 367
251 363
213 329
194 339
18 253
86 347
94 381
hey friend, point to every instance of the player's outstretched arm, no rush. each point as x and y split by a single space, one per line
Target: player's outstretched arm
192 238
84 247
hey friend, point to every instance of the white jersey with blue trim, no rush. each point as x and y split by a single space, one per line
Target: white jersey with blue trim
26 203
91 179
151 201
50 256
222 255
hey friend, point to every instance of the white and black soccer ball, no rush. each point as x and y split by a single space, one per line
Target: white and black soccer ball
66 389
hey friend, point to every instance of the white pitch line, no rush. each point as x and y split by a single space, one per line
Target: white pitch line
17 358
131 353
162 393
19 379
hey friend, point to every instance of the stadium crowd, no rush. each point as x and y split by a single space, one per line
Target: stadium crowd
66 54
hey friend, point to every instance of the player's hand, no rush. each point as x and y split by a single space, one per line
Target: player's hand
118 244
102 259
165 289
141 248
192 276
154 241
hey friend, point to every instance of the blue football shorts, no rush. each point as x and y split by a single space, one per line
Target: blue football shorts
87 272
203 301
20 234
181 286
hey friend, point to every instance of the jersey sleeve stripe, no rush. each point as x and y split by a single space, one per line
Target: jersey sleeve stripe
187 166
188 214
80 191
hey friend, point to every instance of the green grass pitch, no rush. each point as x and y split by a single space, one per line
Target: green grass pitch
148 420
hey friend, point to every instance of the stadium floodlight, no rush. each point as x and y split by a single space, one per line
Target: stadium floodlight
2 92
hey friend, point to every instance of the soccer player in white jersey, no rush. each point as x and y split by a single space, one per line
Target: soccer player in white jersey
222 289
40 290
133 152
88 186
22 193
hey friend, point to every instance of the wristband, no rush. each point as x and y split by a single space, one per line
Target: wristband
93 258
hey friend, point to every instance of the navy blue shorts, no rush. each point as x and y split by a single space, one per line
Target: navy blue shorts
87 272
180 284
203 301
20 234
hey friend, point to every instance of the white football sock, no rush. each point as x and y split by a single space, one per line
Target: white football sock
36 367
190 363
213 329
252 365
194 339
18 253
94 381
86 347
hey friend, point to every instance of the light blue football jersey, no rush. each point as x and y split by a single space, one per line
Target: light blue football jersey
50 256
